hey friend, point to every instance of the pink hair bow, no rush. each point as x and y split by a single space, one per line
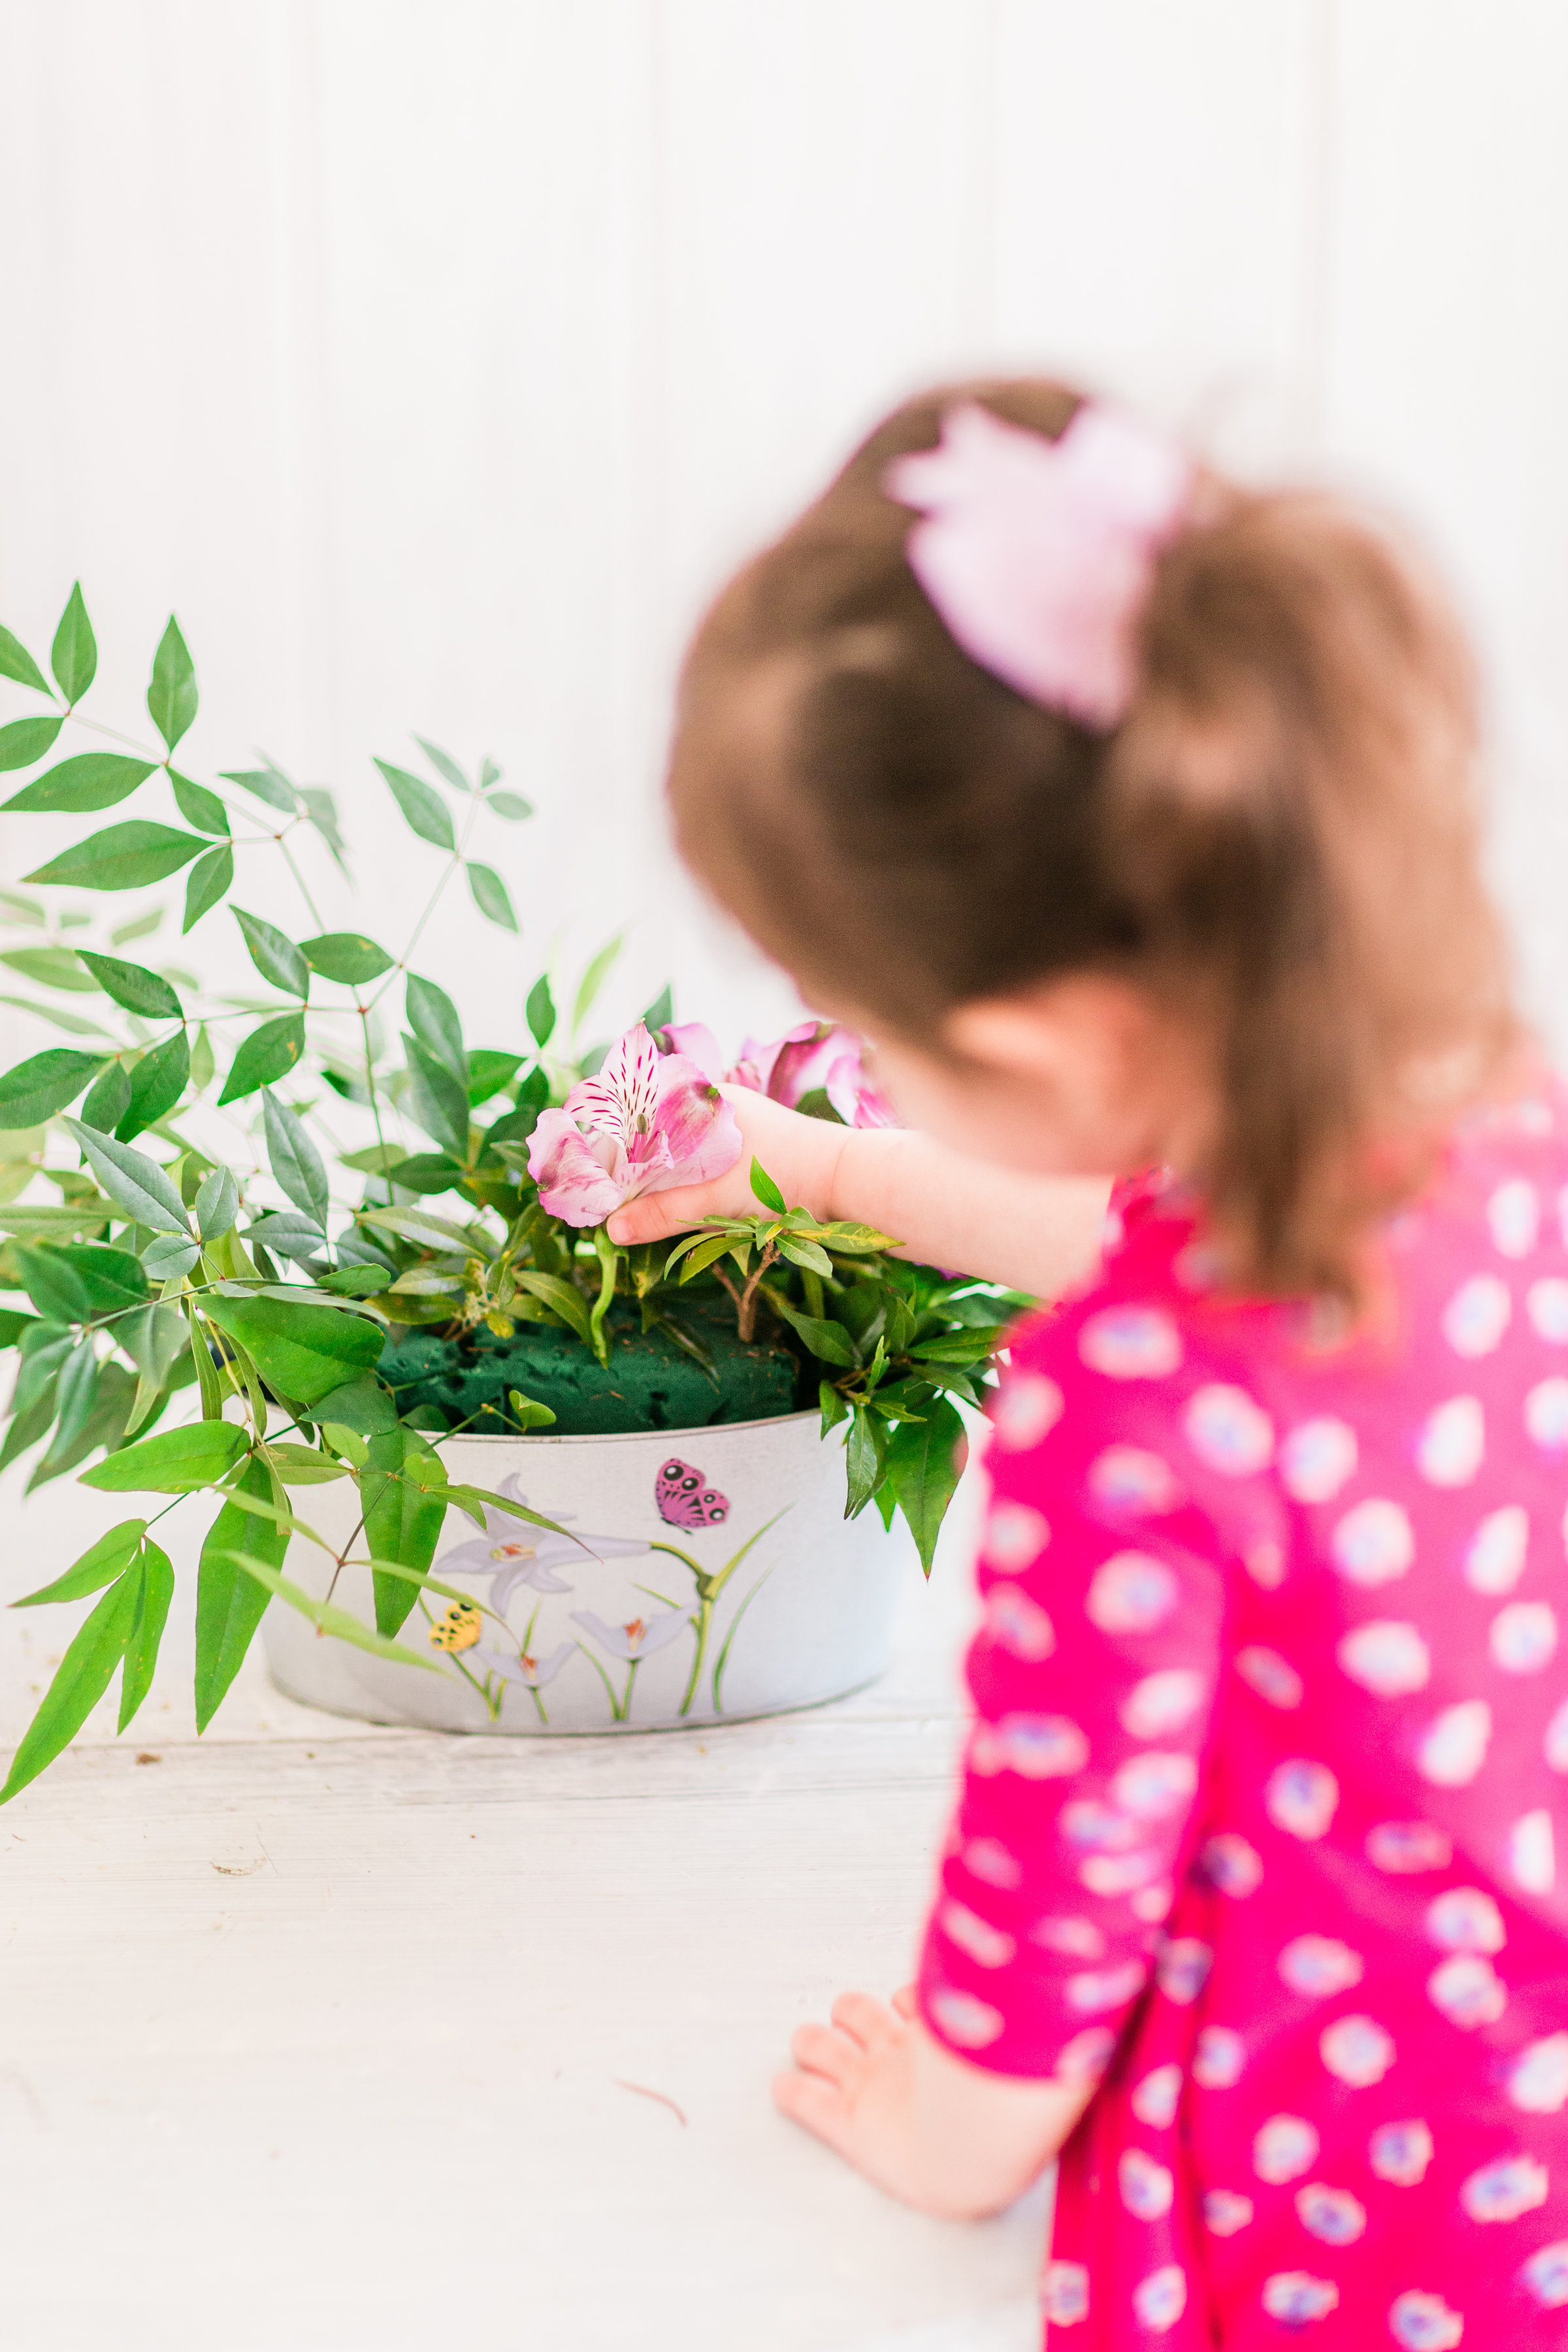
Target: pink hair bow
1039 554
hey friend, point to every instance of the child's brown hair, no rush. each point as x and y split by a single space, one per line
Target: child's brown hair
1280 842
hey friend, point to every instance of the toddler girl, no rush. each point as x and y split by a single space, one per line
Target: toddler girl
1132 813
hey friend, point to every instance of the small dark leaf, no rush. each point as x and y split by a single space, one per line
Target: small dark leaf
74 656
198 806
426 811
433 1017
443 765
123 857
865 1450
269 784
16 662
35 1089
924 1459
490 894
268 1053
92 780
274 954
489 1072
133 985
660 1012
347 957
209 879
540 1011
27 739
157 1082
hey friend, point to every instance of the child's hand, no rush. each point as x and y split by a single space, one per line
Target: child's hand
939 2134
800 1154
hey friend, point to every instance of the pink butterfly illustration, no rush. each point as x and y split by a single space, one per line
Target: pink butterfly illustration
684 1497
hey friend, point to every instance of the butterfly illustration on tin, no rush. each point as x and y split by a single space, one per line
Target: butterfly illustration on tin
684 1498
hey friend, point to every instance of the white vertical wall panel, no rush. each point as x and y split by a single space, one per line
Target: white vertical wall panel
437 364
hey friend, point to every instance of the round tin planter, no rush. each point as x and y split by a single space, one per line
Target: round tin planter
707 1574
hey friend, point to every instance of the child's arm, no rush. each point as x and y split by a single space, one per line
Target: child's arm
1036 1234
941 2135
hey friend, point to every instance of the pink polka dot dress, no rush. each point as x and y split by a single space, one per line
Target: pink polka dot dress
1261 1808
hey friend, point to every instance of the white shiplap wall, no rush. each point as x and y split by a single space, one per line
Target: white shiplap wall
436 363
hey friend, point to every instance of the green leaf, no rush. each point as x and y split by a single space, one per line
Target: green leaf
202 1064
154 1339
74 655
964 1348
27 739
108 1098
268 1053
356 1281
174 1462
133 985
706 1254
851 1240
865 1450
295 1160
112 1278
302 1352
489 774
58 1225
57 1018
198 806
765 1190
593 979
434 1019
440 1102
168 1257
98 1565
402 1518
541 1012
347 957
95 779
443 765
490 894
828 1340
361 1405
123 857
428 1231
23 910
422 806
85 1673
834 1407
140 927
269 785
147 1634
301 1465
53 1284
922 1470
172 697
217 1203
16 662
140 1186
660 1012
564 1297
210 879
13 1323
51 968
230 1604
489 1072
157 1083
528 1412
73 1402
802 1253
328 1618
274 954
512 806
35 1090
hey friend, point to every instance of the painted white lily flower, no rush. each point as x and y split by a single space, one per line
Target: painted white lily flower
534 1672
515 1553
639 1637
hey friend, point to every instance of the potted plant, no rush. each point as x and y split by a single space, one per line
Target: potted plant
527 1480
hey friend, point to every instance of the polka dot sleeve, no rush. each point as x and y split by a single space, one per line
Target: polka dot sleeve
1093 1678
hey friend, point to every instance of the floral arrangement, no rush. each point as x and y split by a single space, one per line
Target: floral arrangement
171 1225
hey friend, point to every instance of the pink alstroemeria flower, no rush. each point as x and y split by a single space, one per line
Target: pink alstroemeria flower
640 1637
647 1121
815 1055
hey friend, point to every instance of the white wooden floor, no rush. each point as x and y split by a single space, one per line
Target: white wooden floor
358 2040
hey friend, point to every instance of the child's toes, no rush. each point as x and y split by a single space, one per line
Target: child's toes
865 2020
823 2052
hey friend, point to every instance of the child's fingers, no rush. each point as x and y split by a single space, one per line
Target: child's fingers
865 2020
653 1217
906 2001
823 2052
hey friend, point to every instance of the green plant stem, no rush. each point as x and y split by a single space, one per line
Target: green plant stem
294 870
